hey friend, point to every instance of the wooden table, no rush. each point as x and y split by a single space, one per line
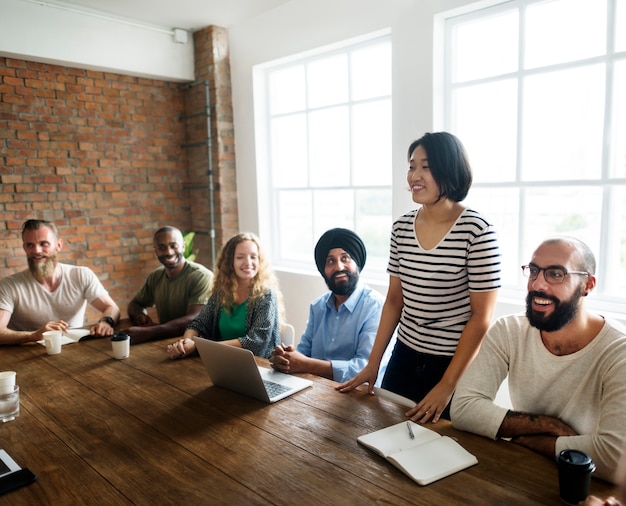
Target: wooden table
147 430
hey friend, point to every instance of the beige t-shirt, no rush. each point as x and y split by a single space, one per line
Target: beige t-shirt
32 306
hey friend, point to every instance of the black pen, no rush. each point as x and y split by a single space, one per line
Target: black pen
408 426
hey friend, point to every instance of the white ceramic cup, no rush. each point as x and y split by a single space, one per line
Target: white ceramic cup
7 381
121 345
52 338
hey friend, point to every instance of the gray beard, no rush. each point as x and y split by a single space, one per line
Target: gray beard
42 271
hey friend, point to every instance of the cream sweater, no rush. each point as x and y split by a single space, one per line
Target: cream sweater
586 389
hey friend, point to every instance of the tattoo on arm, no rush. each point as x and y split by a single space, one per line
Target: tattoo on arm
516 414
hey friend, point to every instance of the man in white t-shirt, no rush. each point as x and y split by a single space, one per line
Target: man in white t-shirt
50 295
566 366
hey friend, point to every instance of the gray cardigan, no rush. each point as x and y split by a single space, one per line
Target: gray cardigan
262 323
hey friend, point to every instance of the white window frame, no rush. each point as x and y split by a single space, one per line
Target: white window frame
268 214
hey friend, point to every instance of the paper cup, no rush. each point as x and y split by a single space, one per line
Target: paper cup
575 469
52 339
7 381
121 345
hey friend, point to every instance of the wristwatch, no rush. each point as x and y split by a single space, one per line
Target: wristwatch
108 320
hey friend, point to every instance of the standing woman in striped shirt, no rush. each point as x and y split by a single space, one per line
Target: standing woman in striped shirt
444 275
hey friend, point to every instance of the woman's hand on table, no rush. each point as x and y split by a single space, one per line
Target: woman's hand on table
181 348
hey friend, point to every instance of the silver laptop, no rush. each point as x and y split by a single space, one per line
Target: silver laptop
235 369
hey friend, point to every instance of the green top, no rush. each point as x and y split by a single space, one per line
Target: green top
233 325
172 296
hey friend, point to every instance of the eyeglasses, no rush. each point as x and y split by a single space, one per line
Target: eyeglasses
553 275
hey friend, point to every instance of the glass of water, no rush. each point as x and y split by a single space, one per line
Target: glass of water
10 403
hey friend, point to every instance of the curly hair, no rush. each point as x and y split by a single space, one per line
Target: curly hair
226 280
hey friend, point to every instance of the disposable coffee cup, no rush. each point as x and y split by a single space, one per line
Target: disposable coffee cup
10 404
52 340
7 381
120 343
575 469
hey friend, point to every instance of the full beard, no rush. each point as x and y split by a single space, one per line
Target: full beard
564 311
343 288
43 270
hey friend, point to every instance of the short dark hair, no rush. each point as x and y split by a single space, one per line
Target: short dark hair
166 228
30 225
448 164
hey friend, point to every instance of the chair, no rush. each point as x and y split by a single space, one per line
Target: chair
287 334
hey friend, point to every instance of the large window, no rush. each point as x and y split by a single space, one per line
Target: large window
535 90
326 139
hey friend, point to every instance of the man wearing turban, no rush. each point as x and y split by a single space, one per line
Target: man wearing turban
343 322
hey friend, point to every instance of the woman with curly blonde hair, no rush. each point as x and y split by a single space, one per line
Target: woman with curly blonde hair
245 308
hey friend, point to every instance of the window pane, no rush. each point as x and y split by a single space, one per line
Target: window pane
371 71
563 124
620 23
615 282
501 207
542 218
328 81
288 146
560 31
371 144
488 111
333 208
286 90
373 225
329 145
618 144
478 38
295 212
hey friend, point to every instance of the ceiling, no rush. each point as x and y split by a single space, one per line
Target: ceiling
187 14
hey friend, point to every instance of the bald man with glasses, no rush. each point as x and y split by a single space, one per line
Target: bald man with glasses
566 366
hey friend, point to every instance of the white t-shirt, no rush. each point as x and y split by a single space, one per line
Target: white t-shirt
32 306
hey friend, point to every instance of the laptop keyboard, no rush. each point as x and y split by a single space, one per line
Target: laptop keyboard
274 389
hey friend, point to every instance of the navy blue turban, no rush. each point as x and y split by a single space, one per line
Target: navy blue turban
340 238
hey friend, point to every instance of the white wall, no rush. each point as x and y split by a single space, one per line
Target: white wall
49 34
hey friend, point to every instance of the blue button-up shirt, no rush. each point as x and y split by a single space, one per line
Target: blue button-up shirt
345 336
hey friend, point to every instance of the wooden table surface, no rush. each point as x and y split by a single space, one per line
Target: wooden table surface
147 430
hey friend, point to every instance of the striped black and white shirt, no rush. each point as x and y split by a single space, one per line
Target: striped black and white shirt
436 283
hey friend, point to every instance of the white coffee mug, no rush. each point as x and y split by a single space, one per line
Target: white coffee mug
53 340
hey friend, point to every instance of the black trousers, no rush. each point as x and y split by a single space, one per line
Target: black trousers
413 374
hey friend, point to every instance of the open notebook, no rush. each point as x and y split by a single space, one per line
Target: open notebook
72 336
235 369
420 453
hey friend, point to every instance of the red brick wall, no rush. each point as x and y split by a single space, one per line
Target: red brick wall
102 156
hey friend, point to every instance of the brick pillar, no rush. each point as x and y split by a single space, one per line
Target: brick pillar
212 66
